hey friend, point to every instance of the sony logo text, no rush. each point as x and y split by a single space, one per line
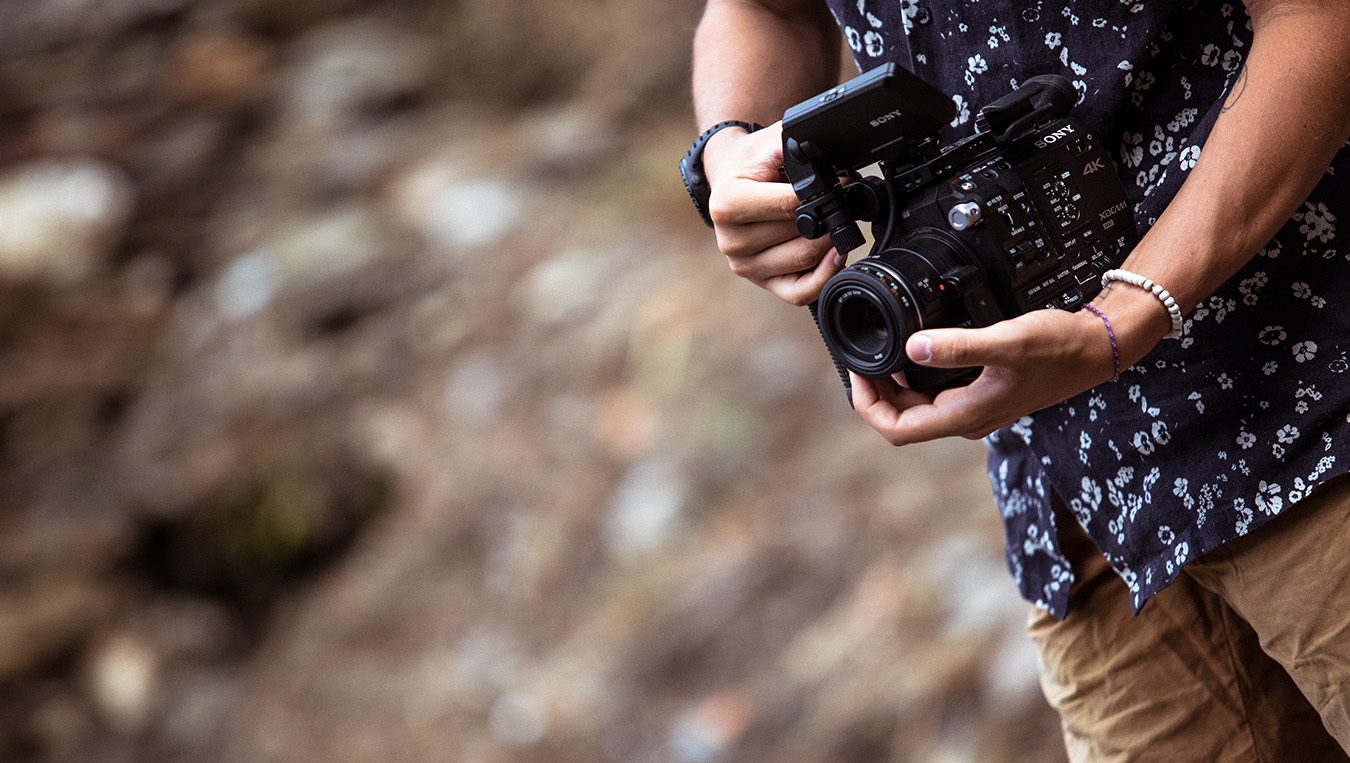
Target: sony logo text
1059 134
884 118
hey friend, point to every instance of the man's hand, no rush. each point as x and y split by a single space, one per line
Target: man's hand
753 212
1030 362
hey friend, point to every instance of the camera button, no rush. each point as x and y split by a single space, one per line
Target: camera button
964 215
1071 298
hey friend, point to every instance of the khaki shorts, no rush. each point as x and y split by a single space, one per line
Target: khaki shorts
1245 658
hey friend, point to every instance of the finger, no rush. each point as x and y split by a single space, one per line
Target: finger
973 410
924 422
894 411
896 395
752 239
999 344
804 287
789 258
741 201
764 153
904 416
865 393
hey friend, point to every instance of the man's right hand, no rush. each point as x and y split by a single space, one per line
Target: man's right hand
754 211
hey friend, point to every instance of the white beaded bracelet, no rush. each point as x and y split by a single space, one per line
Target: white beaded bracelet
1135 279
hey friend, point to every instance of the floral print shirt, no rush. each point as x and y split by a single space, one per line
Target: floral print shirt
1216 432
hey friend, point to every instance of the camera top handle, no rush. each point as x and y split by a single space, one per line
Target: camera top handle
886 114
1042 97
890 115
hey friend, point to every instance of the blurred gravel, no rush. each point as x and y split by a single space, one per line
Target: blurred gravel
372 393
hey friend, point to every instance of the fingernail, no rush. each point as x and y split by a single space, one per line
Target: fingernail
839 259
919 348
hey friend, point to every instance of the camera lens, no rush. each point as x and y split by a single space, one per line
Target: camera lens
866 316
862 322
869 309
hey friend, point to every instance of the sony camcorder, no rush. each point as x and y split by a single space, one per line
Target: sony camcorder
1025 213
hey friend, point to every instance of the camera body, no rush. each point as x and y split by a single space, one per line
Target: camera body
1026 213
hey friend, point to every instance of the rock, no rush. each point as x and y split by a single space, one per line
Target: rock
32 26
476 389
570 140
123 681
248 285
628 424
60 218
646 508
60 725
459 213
565 286
348 67
303 251
518 718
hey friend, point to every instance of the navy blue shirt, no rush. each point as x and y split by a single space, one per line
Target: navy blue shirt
1212 434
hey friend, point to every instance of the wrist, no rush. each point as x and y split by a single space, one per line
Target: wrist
694 172
1163 296
718 149
1137 320
1110 335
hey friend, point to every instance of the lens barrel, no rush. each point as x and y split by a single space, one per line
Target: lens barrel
866 315
869 309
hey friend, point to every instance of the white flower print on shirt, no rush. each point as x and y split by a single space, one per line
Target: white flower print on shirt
1287 434
874 43
909 9
1244 516
997 33
1317 222
1132 149
1268 497
962 110
1272 335
1183 119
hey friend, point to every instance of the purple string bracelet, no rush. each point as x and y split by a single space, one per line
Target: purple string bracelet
1115 351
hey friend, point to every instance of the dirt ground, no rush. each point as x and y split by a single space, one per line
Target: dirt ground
371 392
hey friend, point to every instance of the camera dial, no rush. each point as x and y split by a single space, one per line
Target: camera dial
963 215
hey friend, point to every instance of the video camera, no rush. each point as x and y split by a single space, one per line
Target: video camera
1025 213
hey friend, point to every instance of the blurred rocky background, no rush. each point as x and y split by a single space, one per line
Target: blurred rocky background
370 392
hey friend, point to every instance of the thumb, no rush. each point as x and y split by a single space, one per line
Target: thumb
958 348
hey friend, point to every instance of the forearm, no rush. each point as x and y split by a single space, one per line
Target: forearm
1283 122
755 58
